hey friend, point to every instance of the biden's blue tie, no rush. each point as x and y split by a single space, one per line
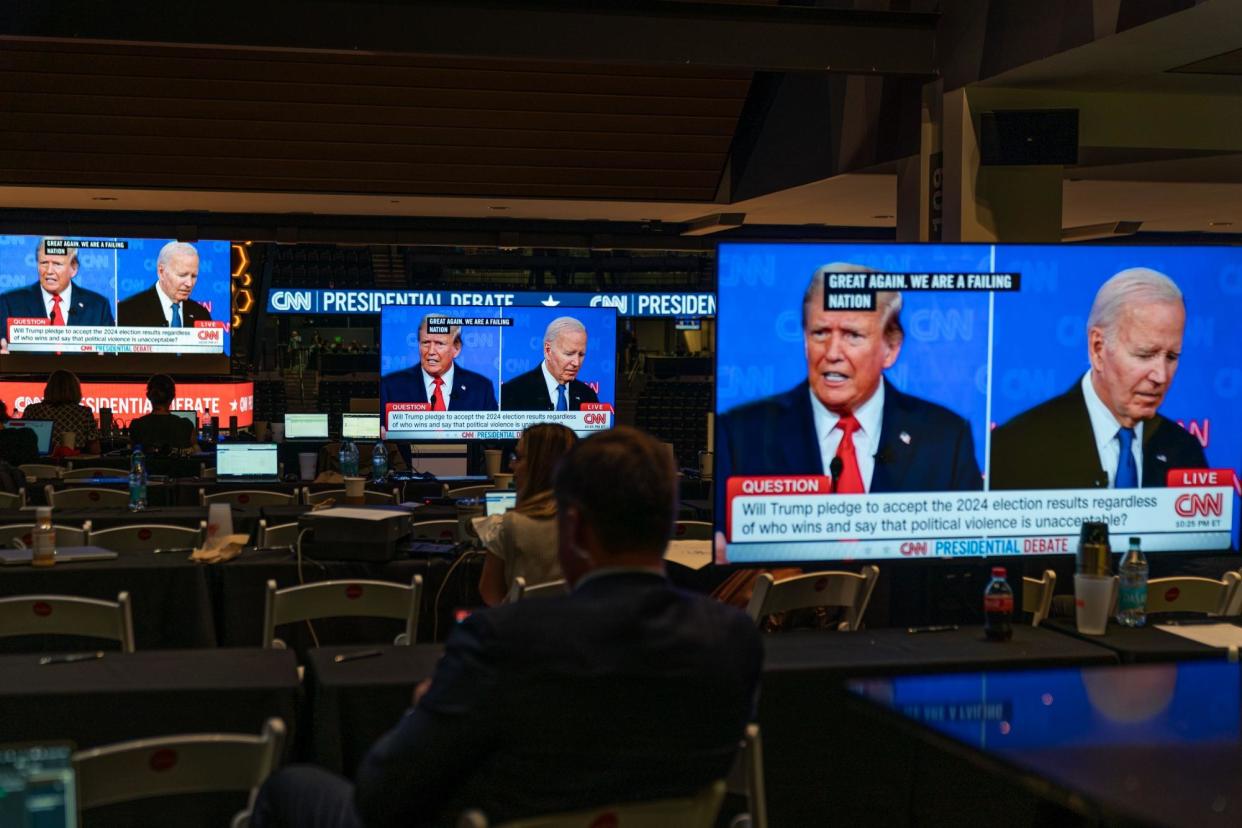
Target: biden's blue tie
1127 473
561 403
176 316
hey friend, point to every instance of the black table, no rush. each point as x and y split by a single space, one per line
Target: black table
145 694
1139 644
353 703
1153 744
816 756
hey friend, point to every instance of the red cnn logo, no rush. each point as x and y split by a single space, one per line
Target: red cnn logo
595 418
209 335
1197 505
914 548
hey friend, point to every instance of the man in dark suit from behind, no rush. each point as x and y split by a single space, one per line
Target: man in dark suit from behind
624 689
554 385
167 303
53 296
437 378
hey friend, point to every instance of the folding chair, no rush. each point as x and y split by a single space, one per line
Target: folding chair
1037 596
65 535
93 471
444 531
549 589
692 530
9 500
249 497
469 491
339 496
817 589
40 471
148 537
284 534
184 764
698 811
747 779
84 497
338 599
1189 594
68 615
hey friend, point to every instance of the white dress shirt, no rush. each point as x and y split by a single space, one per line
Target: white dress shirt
1104 426
870 416
166 303
552 382
66 297
446 390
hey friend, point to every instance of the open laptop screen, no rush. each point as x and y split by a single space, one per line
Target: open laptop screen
360 426
42 430
306 426
499 501
190 416
38 786
246 460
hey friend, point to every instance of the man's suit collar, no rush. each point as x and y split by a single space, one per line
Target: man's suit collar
605 580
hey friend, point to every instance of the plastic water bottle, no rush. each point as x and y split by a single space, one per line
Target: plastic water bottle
349 459
1132 599
379 462
43 538
137 481
998 607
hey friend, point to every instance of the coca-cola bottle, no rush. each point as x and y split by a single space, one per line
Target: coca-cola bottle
998 607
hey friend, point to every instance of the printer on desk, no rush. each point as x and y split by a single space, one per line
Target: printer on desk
359 533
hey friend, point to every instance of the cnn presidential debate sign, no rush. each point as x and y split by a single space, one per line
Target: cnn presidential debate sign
306 301
994 422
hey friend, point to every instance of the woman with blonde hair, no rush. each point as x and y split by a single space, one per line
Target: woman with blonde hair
524 543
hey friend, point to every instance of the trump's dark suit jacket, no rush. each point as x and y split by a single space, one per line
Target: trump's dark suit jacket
471 390
143 310
625 689
1052 446
529 392
89 307
923 447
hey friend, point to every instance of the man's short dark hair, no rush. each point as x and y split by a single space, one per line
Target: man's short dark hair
161 390
624 485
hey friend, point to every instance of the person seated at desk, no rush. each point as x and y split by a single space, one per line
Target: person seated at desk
17 445
161 431
625 689
523 542
62 404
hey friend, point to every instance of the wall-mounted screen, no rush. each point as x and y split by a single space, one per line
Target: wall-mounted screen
889 401
486 373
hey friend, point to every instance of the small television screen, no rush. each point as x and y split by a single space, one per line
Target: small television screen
78 295
974 400
360 426
455 373
306 426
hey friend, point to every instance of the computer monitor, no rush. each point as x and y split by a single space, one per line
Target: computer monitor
499 501
38 785
190 416
360 426
247 461
42 430
306 426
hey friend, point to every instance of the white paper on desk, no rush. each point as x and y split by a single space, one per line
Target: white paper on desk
1213 635
692 554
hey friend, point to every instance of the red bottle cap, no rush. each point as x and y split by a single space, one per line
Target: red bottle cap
998 572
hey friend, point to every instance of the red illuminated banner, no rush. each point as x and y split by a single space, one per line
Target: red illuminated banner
129 399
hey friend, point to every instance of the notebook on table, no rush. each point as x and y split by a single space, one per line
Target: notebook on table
38 785
247 463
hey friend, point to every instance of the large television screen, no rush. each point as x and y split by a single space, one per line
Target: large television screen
72 295
452 373
995 397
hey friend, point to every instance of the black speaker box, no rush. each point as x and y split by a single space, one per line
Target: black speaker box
1013 137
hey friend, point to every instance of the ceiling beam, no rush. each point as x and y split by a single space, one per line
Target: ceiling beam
635 32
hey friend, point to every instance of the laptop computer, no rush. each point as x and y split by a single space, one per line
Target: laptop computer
360 426
64 554
42 430
247 463
499 501
190 416
306 426
38 785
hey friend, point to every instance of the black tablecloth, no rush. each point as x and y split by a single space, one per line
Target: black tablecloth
1139 644
144 694
353 703
816 757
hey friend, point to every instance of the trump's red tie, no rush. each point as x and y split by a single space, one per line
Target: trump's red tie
850 481
437 397
58 318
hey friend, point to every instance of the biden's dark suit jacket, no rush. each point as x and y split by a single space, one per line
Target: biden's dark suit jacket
923 447
1052 446
143 310
471 390
627 688
529 392
89 308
